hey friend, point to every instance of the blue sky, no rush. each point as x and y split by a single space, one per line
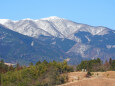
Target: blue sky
92 12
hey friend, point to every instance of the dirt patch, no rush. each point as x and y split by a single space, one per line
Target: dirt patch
92 82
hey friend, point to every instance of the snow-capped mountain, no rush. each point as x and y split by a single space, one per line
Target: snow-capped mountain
67 38
51 26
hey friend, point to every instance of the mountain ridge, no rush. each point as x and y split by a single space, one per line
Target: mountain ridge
54 26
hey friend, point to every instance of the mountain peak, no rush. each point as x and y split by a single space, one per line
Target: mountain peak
27 19
3 21
52 18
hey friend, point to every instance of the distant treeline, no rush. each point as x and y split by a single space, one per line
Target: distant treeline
97 65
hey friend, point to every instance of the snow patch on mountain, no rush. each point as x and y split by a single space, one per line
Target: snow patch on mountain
52 17
3 21
87 38
79 49
110 46
32 43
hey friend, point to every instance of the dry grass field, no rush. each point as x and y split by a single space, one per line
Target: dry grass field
97 79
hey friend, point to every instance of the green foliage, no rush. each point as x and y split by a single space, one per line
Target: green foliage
0 78
3 68
91 65
96 65
31 64
110 61
37 63
41 74
88 74
113 65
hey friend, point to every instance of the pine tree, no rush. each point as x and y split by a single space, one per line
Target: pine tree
17 66
39 62
110 61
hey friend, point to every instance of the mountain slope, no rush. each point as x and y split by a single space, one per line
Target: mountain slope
95 46
15 47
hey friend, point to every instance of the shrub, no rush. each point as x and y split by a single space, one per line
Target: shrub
88 74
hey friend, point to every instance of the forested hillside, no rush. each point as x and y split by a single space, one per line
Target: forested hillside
40 74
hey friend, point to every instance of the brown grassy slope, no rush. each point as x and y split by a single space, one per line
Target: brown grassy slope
98 79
